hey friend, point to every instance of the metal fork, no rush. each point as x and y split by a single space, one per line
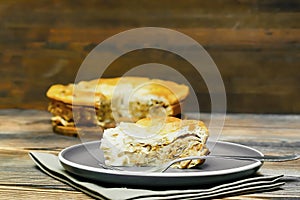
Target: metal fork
266 158
162 168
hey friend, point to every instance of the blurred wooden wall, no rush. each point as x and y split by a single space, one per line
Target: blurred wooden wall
255 44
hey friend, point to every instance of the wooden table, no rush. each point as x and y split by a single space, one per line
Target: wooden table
22 131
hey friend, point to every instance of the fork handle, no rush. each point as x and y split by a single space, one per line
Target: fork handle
267 158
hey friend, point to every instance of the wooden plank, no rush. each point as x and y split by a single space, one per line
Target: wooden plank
19 178
238 128
15 165
32 193
258 38
159 13
261 103
270 88
254 43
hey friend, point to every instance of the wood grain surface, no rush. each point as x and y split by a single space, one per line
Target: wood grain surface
255 45
22 131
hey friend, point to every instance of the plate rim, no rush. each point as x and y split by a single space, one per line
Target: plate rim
158 174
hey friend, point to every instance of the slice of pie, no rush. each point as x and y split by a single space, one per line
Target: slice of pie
150 143
107 100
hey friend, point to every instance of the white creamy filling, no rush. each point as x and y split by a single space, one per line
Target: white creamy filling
64 122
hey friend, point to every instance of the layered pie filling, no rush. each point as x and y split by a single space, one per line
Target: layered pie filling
103 115
140 144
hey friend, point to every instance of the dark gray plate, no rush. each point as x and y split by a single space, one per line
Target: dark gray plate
83 159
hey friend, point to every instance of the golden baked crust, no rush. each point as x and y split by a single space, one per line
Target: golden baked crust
102 89
84 95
